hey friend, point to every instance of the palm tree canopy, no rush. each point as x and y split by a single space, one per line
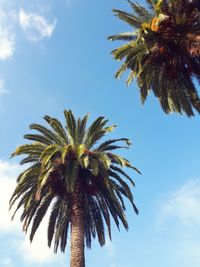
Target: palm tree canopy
57 158
163 52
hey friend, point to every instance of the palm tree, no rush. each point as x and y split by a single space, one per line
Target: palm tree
82 180
163 52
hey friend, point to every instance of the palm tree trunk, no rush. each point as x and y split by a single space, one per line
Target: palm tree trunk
77 258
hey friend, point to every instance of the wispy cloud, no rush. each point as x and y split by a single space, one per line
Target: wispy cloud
8 173
7 37
111 253
35 27
188 251
178 220
7 44
3 89
38 251
110 247
184 204
7 262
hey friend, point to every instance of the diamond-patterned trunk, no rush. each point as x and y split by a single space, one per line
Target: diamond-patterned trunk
77 258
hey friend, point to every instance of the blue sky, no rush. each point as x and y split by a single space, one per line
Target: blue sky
54 56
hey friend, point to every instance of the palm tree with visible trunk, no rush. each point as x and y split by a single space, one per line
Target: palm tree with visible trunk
163 52
81 180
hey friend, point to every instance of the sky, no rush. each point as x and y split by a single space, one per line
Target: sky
54 55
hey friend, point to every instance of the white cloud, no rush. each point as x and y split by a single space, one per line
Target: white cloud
7 262
8 174
110 247
38 251
184 204
2 87
35 27
188 251
180 217
7 37
7 44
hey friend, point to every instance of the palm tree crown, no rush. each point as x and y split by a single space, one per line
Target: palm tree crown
68 168
164 52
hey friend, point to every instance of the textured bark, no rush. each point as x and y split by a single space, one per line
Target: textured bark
193 44
77 258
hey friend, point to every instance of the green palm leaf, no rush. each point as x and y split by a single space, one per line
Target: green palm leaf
84 182
162 52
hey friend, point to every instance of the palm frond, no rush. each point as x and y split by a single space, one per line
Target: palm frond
61 228
57 127
71 125
125 36
142 12
66 169
38 138
46 132
40 214
81 129
129 18
164 53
